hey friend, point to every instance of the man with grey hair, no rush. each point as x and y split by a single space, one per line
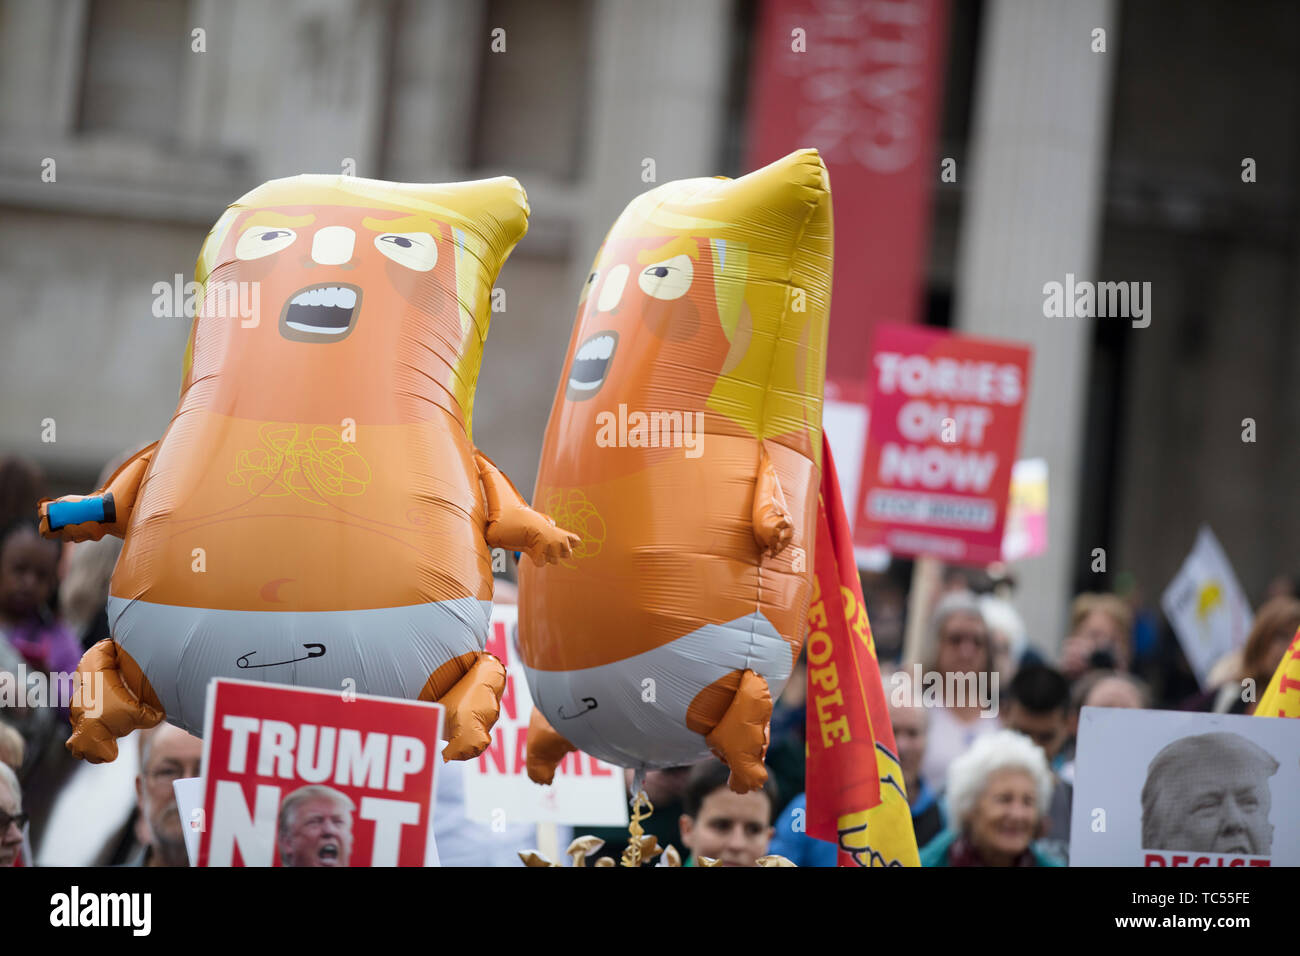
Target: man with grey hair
1209 794
12 819
315 827
167 754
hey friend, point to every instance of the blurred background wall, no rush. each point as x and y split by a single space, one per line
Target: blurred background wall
1125 165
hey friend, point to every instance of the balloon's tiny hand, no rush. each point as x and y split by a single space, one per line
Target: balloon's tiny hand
774 530
76 517
550 544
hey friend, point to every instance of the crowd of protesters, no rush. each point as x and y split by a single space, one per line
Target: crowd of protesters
989 781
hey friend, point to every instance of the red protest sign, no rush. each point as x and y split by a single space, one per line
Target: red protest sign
945 427
301 777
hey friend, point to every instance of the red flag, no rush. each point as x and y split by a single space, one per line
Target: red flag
856 795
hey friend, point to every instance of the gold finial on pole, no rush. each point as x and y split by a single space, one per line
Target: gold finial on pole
639 844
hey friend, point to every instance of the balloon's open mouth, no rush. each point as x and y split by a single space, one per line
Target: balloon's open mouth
591 365
320 313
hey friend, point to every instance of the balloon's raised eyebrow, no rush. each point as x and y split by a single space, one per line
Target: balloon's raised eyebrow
678 246
403 224
267 217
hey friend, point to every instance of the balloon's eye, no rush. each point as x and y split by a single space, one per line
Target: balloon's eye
414 250
260 241
669 279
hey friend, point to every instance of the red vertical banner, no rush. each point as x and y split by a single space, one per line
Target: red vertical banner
856 795
861 82
945 426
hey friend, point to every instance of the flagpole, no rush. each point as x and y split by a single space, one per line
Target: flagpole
926 577
548 840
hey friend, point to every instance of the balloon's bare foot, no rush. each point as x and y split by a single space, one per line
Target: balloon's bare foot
741 736
105 707
473 704
546 748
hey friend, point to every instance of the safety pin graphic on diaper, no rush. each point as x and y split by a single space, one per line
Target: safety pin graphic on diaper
591 705
313 650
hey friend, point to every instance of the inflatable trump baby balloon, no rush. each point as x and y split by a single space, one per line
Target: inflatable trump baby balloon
684 449
316 513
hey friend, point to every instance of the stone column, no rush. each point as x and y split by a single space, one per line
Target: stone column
659 86
1034 194
435 81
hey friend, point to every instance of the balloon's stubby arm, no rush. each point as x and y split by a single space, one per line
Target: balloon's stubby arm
773 526
511 524
106 511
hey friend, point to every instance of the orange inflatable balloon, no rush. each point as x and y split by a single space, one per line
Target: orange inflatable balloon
684 449
316 512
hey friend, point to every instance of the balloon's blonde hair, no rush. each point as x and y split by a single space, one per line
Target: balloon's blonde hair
770 233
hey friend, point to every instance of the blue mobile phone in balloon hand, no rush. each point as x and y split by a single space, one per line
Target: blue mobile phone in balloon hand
98 508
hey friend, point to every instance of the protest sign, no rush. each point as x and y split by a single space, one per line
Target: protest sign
1172 788
944 429
303 777
497 789
1206 606
1026 531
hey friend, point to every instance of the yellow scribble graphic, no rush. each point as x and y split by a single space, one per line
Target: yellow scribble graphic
576 513
313 466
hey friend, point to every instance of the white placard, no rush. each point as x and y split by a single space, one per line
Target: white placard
1206 606
189 803
845 425
1172 788
497 788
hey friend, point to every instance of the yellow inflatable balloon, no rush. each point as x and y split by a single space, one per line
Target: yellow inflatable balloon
316 512
684 448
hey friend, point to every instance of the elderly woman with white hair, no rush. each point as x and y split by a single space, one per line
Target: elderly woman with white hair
959 688
998 793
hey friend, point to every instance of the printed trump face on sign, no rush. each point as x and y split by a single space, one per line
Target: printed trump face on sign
1157 788
1209 793
315 827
